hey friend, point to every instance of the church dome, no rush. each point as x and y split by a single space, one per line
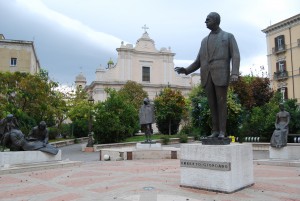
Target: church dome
145 35
80 78
110 62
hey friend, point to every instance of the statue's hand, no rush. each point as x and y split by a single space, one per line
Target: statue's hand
234 78
180 70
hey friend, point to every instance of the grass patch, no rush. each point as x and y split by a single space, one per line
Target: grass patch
136 138
59 139
139 138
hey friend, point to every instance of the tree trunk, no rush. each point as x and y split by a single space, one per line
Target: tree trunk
170 127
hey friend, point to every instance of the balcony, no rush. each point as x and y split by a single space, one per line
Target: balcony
279 49
280 75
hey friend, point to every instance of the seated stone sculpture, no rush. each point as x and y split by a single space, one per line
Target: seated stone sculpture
279 137
15 140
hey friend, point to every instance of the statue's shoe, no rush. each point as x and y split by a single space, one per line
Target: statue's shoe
214 134
221 135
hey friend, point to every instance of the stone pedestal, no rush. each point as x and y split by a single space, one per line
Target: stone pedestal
89 149
221 168
148 146
289 152
23 157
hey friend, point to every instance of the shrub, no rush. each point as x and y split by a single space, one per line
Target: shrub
291 106
66 130
183 138
115 119
53 132
165 140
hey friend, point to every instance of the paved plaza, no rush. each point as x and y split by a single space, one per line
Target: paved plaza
139 180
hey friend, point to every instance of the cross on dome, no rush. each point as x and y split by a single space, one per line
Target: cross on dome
145 28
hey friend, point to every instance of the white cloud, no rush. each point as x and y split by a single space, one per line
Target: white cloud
254 65
257 66
101 39
73 33
182 63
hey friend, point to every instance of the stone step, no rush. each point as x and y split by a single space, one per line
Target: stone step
18 168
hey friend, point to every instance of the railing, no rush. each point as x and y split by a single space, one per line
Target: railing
280 75
279 49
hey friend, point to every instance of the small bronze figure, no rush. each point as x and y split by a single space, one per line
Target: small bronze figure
40 133
146 115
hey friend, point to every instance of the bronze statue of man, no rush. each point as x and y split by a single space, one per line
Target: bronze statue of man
40 133
146 117
217 50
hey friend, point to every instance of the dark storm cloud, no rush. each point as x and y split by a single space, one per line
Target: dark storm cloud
73 36
63 53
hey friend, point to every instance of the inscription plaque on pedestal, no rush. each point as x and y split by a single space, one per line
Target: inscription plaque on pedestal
222 166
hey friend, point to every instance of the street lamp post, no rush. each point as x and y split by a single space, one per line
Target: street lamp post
90 135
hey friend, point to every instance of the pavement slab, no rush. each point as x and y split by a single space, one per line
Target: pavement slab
140 180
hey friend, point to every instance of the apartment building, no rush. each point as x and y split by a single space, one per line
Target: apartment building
18 55
283 53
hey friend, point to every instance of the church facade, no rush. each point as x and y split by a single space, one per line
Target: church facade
144 64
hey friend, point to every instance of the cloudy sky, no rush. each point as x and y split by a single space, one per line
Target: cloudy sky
73 36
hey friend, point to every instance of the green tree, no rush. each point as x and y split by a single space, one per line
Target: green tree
234 113
199 111
259 122
169 109
291 106
59 108
201 116
252 91
31 98
134 93
79 114
115 119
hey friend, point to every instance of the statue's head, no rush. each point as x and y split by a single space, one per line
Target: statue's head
11 121
213 20
281 106
42 125
9 117
146 101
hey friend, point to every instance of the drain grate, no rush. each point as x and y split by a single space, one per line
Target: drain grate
148 188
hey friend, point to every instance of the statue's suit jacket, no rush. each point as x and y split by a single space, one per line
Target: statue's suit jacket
146 114
218 62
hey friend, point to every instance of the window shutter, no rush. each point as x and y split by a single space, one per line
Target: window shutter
286 93
284 65
282 40
276 44
277 66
